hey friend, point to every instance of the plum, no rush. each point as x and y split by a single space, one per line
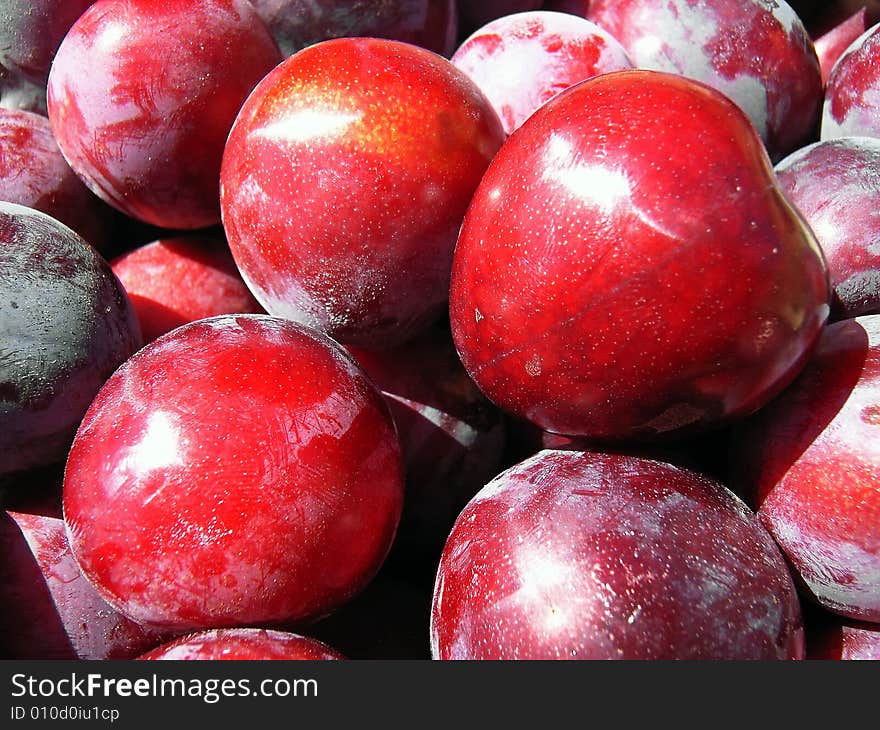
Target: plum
834 185
34 173
177 280
629 267
757 53
141 96
240 470
32 30
378 147
49 609
807 463
831 45
589 555
295 24
243 645
521 61
65 325
852 94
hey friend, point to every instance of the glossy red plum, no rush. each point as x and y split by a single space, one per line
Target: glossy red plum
572 555
34 173
452 437
834 184
852 95
295 24
809 464
65 326
243 645
49 610
345 181
522 61
629 267
178 280
141 97
239 471
755 52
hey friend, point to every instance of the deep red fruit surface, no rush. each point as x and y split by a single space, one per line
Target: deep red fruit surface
48 609
521 61
295 24
345 181
243 644
808 462
834 184
629 266
852 94
34 173
831 45
241 470
757 53
572 555
173 281
452 437
141 97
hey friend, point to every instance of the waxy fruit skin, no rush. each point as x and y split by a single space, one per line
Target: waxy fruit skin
629 267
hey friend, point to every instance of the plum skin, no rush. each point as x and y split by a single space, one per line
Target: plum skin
521 61
833 184
34 173
144 134
850 106
65 325
452 438
807 463
587 555
180 279
49 609
240 470
295 24
573 300
243 644
777 83
378 146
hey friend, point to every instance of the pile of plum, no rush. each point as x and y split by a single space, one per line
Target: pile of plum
464 330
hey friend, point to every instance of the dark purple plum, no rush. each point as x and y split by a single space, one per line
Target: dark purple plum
585 555
295 24
32 30
65 325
